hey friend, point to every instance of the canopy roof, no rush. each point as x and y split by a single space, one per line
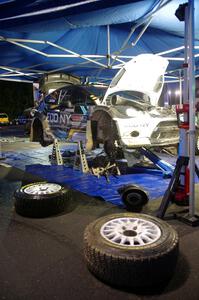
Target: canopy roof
88 38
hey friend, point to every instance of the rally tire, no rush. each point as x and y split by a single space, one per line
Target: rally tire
142 266
133 197
40 206
133 202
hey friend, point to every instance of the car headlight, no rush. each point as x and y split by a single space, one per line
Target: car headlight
131 112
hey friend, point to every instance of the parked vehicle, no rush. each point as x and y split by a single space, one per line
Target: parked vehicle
20 120
25 119
129 116
28 113
4 119
64 113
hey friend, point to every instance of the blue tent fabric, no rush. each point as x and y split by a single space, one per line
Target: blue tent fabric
75 13
81 26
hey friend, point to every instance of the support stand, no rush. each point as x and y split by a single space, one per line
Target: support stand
80 159
56 157
179 191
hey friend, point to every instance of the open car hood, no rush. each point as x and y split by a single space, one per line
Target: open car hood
144 73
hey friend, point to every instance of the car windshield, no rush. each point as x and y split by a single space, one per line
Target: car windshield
83 94
3 116
126 97
98 91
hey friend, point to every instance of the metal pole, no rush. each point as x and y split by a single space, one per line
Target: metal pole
108 47
191 108
183 143
180 86
185 90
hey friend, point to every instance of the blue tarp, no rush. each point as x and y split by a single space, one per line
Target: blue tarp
36 163
81 26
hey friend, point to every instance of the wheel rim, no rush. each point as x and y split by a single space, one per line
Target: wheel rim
42 189
130 232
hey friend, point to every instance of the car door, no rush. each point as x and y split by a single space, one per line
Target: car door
80 100
58 110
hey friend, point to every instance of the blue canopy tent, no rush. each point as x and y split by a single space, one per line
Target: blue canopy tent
88 38
94 38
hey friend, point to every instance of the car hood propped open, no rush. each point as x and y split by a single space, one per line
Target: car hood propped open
144 73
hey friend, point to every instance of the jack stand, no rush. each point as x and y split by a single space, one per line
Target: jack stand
165 167
174 188
56 157
80 159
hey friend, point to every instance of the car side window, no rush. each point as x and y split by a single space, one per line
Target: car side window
81 96
52 98
78 109
78 96
65 98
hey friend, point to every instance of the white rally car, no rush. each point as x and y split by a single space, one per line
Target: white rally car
129 116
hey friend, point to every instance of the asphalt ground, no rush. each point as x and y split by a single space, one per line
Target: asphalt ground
43 258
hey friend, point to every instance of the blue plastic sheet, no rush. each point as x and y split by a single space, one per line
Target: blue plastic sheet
89 184
36 162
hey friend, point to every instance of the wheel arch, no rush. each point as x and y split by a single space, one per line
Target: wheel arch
36 129
103 125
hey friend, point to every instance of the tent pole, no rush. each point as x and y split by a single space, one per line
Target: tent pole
183 133
180 85
191 108
76 54
108 47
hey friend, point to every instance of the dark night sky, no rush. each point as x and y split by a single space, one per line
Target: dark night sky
15 97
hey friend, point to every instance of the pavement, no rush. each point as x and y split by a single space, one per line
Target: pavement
43 258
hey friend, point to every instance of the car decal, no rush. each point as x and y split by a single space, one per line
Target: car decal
66 120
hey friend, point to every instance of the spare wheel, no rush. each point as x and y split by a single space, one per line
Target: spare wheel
131 250
41 199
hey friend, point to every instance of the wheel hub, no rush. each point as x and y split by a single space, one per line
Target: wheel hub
129 233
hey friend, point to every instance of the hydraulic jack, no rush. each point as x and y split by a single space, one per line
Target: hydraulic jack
166 168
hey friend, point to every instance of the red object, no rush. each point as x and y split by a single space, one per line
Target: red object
180 195
182 111
185 65
187 186
182 108
182 192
